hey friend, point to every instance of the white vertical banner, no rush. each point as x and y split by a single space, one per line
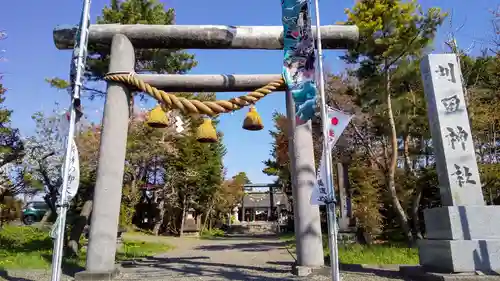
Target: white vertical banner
73 183
320 192
337 123
74 164
74 172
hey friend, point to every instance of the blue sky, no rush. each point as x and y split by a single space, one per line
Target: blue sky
32 57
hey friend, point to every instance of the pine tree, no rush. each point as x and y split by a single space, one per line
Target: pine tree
391 31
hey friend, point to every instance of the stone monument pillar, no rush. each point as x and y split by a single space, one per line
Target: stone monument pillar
345 214
464 234
342 181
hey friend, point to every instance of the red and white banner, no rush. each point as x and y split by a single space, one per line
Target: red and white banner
337 122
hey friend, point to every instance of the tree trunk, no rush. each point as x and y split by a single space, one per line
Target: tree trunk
161 216
415 204
391 182
78 227
417 195
207 217
183 216
46 217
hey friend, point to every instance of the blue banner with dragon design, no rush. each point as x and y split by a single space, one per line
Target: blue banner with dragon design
298 64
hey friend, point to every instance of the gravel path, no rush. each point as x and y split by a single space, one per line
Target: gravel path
231 259
236 259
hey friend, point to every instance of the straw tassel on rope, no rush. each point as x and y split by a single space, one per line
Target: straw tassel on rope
252 121
206 132
157 118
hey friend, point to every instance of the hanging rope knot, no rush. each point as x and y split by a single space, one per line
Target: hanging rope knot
192 106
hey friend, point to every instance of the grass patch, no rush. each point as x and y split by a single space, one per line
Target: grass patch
288 237
140 249
378 254
24 247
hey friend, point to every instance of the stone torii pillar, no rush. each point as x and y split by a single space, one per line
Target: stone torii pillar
122 38
108 189
307 220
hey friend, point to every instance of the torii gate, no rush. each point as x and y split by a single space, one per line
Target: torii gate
123 39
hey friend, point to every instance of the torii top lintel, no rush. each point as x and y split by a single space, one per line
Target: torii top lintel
202 36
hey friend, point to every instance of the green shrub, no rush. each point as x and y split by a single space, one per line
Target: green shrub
128 206
10 209
366 187
214 232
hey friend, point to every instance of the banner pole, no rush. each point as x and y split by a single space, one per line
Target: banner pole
76 74
330 204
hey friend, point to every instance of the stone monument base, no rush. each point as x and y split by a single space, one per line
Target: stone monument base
254 228
461 239
421 274
460 255
462 222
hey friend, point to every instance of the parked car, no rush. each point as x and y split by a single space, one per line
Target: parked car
34 212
